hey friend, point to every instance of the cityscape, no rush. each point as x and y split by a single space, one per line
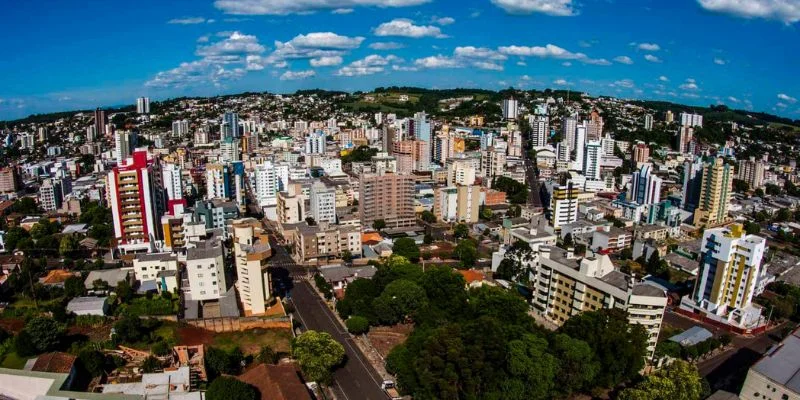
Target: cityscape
202 235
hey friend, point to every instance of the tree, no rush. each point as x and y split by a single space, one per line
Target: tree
428 217
124 291
267 355
752 228
43 228
486 213
577 366
461 231
568 240
619 347
740 186
760 192
677 381
67 246
427 239
151 364
220 362
407 248
531 367
378 225
783 215
93 361
466 252
317 353
45 333
226 387
399 300
358 299
74 287
444 289
14 236
773 190
357 325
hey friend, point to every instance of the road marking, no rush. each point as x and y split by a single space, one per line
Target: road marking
342 390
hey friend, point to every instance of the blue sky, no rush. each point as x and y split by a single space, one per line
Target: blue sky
62 55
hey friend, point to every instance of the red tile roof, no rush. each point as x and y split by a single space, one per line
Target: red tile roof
56 362
276 382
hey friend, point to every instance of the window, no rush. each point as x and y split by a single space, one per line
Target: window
213 274
144 268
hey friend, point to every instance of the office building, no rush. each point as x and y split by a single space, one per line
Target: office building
567 285
422 127
251 251
715 194
729 277
54 190
645 187
594 127
692 180
315 143
510 109
540 130
641 154
136 194
691 120
648 122
100 122
389 198
752 172
568 126
322 203
143 105
593 154
205 271
230 125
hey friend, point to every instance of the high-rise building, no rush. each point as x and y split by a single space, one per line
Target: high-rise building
510 109
730 274
669 117
230 150
291 205
592 157
752 172
266 184
9 179
173 183
124 143
540 125
594 127
563 205
54 190
422 127
389 198
692 180
568 126
691 120
225 181
641 154
230 125
648 122
685 136
180 128
100 122
322 201
515 144
136 195
493 162
205 270
251 251
645 187
580 147
715 194
457 203
315 143
143 105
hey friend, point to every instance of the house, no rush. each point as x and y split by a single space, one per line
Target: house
277 382
88 306
340 276
170 384
612 240
110 276
56 363
57 277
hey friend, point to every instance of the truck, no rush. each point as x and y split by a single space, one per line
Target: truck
391 390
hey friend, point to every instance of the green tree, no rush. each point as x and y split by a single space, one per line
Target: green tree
347 256
466 252
14 236
151 364
317 353
532 369
357 325
428 217
124 291
43 228
407 248
577 366
461 231
67 246
752 228
740 186
45 333
93 361
445 289
619 347
486 213
226 387
760 192
427 239
74 287
399 300
219 362
378 225
267 355
677 381
358 297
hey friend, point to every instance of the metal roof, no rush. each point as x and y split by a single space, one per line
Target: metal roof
782 363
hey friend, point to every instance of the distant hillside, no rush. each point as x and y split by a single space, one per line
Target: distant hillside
718 113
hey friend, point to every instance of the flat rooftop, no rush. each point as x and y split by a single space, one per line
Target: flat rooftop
782 363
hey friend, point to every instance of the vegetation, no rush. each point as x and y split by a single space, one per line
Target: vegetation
224 388
323 286
513 267
466 251
317 353
677 381
220 362
357 325
407 248
516 192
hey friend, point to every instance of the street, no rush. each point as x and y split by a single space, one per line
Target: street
356 379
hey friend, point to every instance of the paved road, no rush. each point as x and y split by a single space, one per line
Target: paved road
356 379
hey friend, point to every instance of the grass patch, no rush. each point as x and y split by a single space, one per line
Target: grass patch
13 361
251 341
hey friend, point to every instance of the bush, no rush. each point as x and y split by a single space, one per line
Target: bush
224 388
357 325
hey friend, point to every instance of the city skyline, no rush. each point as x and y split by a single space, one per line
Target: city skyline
83 57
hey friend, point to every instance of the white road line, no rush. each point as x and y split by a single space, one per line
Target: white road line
342 390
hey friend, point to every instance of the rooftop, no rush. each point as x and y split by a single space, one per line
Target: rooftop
56 362
644 289
782 363
338 273
692 336
276 382
156 257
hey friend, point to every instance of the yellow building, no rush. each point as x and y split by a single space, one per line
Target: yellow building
715 194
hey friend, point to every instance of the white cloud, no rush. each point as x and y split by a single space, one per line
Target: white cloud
623 83
438 61
285 7
584 43
326 61
203 39
559 8
368 65
445 21
719 61
475 14
623 60
313 45
403 68
562 82
566 64
386 46
487 65
342 11
648 46
550 51
522 63
326 40
478 52
663 78
786 97
787 11
733 99
525 78
781 105
690 84
406 28
652 58
234 45
188 21
297 75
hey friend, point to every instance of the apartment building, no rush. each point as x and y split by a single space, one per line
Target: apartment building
323 241
157 267
457 204
251 251
205 271
716 189
389 198
614 239
291 205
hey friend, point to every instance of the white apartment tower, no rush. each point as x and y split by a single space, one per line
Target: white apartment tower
143 105
323 203
510 109
539 130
